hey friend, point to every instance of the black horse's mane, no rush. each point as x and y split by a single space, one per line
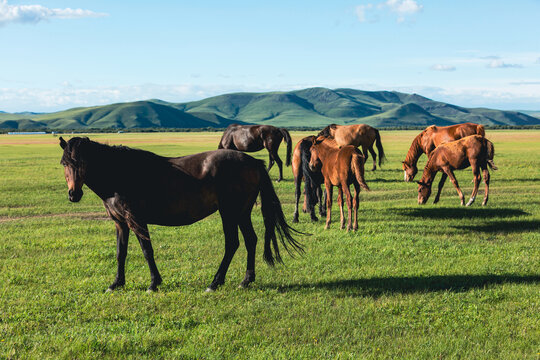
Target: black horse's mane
82 149
326 131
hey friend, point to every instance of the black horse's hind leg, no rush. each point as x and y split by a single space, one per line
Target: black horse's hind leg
297 194
230 229
122 236
250 240
374 155
148 251
275 157
321 196
270 162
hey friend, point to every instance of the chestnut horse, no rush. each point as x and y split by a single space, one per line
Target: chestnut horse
140 188
312 180
357 135
340 167
475 151
430 138
251 138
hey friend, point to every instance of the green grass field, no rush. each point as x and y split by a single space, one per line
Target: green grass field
429 282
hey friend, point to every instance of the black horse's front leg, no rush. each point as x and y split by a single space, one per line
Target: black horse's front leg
122 236
230 229
148 251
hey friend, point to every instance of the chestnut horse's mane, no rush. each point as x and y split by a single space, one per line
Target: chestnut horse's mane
415 150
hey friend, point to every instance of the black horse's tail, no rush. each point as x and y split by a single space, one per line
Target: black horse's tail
288 140
311 180
274 219
378 143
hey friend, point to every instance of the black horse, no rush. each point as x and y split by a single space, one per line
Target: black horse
140 188
251 138
312 180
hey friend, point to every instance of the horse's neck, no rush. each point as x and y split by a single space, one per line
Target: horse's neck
103 175
429 172
415 151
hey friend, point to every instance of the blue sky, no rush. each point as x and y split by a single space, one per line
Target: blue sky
61 54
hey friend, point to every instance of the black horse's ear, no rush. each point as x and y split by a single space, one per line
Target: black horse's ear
63 143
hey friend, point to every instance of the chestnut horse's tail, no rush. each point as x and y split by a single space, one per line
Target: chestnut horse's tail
357 166
274 219
490 154
480 130
288 140
378 143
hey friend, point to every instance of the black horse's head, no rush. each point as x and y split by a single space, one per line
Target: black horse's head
328 131
74 166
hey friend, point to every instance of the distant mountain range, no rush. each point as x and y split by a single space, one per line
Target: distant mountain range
312 107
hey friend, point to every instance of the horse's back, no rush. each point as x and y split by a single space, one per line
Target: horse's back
356 135
213 163
242 137
458 153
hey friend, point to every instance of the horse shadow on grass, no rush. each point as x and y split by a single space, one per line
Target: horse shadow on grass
378 286
503 226
460 212
381 180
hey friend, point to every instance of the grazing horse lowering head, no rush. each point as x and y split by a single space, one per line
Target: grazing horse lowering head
409 171
424 191
74 167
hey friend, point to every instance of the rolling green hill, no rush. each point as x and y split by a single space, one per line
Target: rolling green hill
312 107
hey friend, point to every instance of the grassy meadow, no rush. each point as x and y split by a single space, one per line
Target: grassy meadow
416 282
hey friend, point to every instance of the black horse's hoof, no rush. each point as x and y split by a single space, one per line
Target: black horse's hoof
248 279
244 284
115 285
214 286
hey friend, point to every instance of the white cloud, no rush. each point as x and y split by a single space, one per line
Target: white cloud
499 64
442 67
33 14
361 12
403 8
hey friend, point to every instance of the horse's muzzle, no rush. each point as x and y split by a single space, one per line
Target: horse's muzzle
75 195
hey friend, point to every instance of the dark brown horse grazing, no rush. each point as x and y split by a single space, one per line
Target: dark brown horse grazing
340 167
140 188
475 151
430 138
251 138
357 135
312 180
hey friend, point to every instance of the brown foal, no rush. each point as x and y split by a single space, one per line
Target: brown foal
430 138
475 151
340 167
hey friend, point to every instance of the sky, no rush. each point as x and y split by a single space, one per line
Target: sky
56 55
